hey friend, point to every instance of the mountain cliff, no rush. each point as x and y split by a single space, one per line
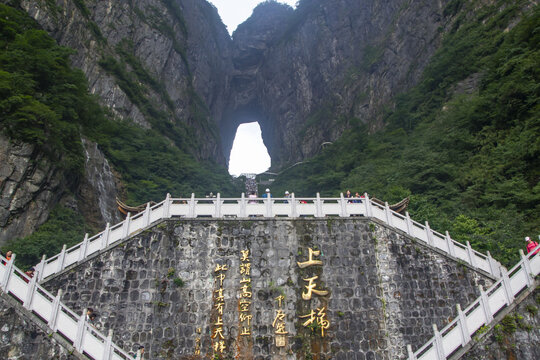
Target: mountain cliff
306 74
347 87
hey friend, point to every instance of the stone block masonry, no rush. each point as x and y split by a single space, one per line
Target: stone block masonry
350 288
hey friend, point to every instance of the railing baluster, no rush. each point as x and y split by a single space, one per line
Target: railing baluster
105 236
191 211
83 247
243 206
526 267
146 216
294 210
507 287
40 268
167 207
485 305
429 235
81 326
343 206
31 289
318 206
411 353
409 223
494 266
108 346
369 210
268 202
55 308
450 244
218 206
472 256
7 274
125 227
465 335
388 213
438 344
61 259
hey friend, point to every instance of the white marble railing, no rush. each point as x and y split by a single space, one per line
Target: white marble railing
275 207
481 312
59 318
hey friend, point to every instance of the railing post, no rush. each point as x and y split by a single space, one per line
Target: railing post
108 344
318 206
465 336
411 353
343 206
294 211
191 211
388 213
146 216
61 259
83 247
7 274
81 326
526 265
485 305
409 223
369 211
429 234
494 266
217 212
470 252
438 344
105 236
450 244
243 206
55 308
507 287
167 207
30 293
40 268
268 202
125 227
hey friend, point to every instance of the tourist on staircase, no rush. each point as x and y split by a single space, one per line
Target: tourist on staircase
531 245
8 257
267 194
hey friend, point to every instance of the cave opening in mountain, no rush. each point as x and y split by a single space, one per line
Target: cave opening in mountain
248 154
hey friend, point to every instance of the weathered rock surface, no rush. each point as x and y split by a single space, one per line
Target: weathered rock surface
99 187
385 291
304 74
30 185
181 44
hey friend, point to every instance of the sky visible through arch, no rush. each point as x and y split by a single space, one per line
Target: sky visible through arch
248 154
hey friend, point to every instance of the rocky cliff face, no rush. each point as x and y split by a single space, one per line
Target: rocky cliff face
29 185
304 74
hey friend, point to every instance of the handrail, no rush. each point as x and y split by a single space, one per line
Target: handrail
55 315
243 207
481 312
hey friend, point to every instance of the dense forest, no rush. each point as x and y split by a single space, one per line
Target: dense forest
464 143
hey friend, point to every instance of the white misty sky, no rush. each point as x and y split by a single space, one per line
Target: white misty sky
248 154
235 12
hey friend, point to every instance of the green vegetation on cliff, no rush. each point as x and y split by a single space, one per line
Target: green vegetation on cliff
43 101
464 143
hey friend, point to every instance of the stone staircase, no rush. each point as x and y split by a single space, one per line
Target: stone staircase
49 313
452 341
263 207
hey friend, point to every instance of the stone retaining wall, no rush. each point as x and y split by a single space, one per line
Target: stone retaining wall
376 290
